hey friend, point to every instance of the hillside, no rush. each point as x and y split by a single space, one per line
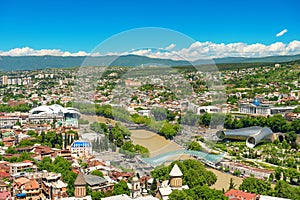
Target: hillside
8 63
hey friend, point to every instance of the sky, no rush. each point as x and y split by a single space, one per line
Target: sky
211 28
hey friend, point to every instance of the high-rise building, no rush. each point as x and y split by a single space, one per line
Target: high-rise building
4 80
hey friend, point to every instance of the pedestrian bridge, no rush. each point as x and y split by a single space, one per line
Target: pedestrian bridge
207 158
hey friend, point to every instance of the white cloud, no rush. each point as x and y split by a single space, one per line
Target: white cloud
26 51
170 47
208 50
281 33
197 50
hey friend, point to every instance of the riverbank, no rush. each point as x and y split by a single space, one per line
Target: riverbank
155 143
223 180
100 119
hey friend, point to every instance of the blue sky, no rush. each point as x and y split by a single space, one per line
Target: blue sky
81 26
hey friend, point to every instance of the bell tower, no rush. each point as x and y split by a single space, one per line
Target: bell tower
80 189
175 180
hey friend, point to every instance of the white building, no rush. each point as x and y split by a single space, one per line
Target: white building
264 109
81 148
17 168
207 109
68 116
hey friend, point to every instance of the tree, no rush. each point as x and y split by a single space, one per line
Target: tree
205 119
159 113
43 136
121 188
278 172
63 166
195 146
97 173
295 125
190 118
45 164
283 189
271 177
291 138
69 104
32 133
153 187
97 195
232 185
255 186
237 172
179 195
194 173
10 150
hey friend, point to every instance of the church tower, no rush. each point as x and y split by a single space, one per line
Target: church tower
135 188
80 189
175 180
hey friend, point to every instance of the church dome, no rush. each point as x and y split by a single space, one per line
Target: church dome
256 102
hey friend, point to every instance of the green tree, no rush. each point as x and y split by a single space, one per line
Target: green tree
121 188
194 173
255 186
237 172
32 133
179 195
97 195
232 185
205 119
271 177
278 172
159 113
190 118
45 164
97 173
195 146
11 150
153 187
63 166
283 189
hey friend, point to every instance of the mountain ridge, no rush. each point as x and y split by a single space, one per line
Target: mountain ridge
11 63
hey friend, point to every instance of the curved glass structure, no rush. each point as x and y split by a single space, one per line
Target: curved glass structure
253 135
162 158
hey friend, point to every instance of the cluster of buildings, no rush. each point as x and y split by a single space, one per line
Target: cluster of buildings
245 170
67 117
15 80
256 108
23 180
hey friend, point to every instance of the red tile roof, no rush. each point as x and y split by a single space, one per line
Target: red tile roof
4 175
238 194
5 195
32 185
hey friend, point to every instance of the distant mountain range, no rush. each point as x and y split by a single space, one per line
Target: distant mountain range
10 63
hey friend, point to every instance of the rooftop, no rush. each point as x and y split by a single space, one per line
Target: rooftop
94 180
240 194
176 171
80 180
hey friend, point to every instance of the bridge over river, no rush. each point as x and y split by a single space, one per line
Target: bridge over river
209 159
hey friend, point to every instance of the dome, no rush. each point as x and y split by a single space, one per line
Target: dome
256 102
